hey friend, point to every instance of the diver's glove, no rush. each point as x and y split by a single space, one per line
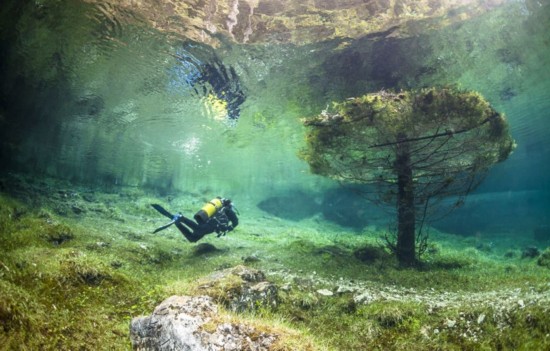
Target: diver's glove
225 231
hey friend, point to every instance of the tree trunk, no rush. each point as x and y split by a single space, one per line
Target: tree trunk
406 246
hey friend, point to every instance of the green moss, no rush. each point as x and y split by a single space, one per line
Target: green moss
390 314
57 234
451 261
55 296
544 258
78 268
15 304
302 246
221 290
370 253
62 296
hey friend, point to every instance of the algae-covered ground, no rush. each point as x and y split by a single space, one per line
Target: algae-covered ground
78 263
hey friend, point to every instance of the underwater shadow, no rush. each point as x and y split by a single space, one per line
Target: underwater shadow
294 206
340 205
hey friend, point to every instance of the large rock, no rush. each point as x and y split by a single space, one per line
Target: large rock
193 324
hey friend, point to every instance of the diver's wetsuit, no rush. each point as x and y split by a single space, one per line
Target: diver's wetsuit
219 223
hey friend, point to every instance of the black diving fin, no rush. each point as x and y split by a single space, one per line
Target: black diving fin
175 218
162 211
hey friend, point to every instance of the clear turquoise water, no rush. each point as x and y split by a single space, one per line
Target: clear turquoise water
93 94
103 114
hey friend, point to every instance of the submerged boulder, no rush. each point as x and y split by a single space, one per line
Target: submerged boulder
193 324
530 252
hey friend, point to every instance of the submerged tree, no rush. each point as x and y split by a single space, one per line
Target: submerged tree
417 147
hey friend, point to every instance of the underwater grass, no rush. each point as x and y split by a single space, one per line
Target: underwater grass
56 294
72 277
410 325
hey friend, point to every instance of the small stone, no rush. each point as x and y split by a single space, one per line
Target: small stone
481 318
364 297
225 328
344 289
324 292
262 286
521 303
250 259
286 287
451 323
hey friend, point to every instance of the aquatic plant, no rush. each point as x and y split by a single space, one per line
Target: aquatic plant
59 296
417 147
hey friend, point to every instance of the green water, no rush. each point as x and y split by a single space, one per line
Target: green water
104 111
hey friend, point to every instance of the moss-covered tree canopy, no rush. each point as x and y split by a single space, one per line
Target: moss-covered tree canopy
446 131
415 146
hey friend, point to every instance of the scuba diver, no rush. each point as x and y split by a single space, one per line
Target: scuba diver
214 216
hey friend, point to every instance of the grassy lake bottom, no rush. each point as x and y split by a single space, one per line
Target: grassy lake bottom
77 264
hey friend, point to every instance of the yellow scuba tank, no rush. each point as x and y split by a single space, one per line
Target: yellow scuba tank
208 210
